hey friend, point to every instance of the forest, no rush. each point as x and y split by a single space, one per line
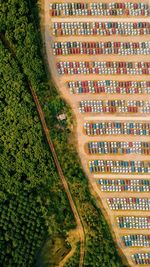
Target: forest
33 205
31 191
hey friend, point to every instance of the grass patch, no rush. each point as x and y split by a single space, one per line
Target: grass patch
53 251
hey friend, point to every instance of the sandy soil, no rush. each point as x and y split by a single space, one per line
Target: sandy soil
73 238
73 100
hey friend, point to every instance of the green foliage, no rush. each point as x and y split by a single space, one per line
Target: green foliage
27 172
20 31
21 229
59 248
30 189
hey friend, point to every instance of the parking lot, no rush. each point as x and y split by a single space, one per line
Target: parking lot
112 109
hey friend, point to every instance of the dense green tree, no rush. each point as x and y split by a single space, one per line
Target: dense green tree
29 206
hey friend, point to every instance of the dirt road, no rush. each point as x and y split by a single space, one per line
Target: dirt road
61 175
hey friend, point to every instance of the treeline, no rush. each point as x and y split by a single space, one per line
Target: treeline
19 26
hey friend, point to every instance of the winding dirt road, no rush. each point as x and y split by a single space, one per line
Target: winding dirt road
80 228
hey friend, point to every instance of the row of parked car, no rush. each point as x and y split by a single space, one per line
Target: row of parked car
109 87
117 128
130 203
104 68
136 240
104 64
141 258
118 144
119 185
104 147
130 182
133 222
106 48
114 106
99 9
101 28
119 166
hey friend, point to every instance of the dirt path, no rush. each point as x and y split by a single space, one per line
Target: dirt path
64 182
78 233
94 19
67 257
73 238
